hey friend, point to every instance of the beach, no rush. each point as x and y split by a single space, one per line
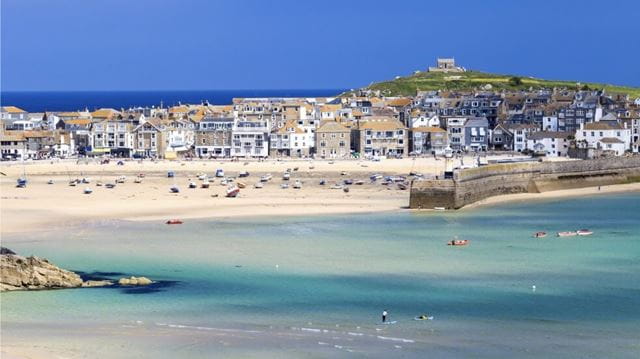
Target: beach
43 206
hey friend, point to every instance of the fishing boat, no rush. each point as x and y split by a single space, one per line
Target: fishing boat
284 186
137 180
286 176
232 191
243 174
241 185
584 232
88 190
439 208
219 172
540 234
567 234
266 178
192 185
174 189
458 242
174 221
295 169
311 167
205 184
343 173
297 184
259 185
375 177
141 175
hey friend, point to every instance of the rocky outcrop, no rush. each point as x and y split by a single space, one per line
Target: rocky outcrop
135 281
20 273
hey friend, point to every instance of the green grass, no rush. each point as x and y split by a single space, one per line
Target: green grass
474 80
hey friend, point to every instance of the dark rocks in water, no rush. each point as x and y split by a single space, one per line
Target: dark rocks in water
4 250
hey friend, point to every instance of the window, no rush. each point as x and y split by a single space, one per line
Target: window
342 144
323 144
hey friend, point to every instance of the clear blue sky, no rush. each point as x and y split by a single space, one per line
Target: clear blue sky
245 44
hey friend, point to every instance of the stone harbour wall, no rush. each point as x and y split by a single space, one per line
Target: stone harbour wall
472 185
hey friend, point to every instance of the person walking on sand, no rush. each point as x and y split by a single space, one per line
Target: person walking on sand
384 316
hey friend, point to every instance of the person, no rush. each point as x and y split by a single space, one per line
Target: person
384 316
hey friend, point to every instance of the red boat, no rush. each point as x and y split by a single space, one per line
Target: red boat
233 191
458 242
174 221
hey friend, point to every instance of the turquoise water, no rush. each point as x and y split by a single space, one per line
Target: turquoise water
315 286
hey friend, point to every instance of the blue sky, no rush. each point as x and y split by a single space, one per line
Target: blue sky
282 44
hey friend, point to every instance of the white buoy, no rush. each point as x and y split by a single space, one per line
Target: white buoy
277 266
533 288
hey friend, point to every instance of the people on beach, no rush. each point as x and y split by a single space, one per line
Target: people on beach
384 316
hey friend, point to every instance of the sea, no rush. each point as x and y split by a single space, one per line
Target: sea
315 286
42 101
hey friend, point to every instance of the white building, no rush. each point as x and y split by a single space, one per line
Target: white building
604 135
250 139
550 123
550 144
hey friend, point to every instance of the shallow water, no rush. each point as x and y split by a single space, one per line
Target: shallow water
315 286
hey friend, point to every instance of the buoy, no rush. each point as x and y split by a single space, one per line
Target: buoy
533 287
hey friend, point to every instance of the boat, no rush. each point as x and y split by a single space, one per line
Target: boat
88 190
137 180
311 167
567 234
439 208
401 186
348 182
141 175
584 232
284 186
219 172
323 182
86 180
22 182
259 185
266 178
331 162
297 184
73 183
192 185
171 174
205 184
99 183
202 176
174 189
110 185
343 173
286 176
224 182
174 221
50 182
243 174
295 169
423 317
540 234
345 189
121 179
241 185
232 191
375 177
359 182
458 242
336 186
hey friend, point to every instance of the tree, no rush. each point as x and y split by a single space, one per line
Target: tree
515 81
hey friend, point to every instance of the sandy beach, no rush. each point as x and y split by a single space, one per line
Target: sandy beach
43 206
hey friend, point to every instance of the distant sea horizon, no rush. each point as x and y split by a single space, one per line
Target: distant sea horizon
41 101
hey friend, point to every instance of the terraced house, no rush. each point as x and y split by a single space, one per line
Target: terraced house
250 139
213 136
333 140
112 137
382 137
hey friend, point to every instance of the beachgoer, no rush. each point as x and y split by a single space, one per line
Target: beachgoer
384 316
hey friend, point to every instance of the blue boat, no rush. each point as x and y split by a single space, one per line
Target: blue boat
170 174
22 182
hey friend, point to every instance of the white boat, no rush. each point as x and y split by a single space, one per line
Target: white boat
88 190
205 184
259 185
284 186
336 186
86 180
297 184
584 232
121 179
50 182
567 234
439 208
232 191
219 172
286 176
266 178
243 174
202 177
137 180
223 182
192 185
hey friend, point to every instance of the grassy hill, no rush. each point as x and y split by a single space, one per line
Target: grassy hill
474 80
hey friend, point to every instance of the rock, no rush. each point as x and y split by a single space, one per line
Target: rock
21 273
4 250
135 281
97 283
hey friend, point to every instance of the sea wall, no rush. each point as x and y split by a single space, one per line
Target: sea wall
472 185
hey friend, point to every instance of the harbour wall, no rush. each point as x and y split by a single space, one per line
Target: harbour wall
474 184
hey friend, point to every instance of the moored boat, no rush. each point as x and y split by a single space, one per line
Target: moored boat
205 184
284 186
297 184
540 234
584 232
259 185
286 176
192 185
567 234
241 184
50 182
232 191
266 178
88 190
243 174
174 189
219 172
458 242
174 221
22 182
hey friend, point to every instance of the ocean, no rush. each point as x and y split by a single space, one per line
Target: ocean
42 101
316 286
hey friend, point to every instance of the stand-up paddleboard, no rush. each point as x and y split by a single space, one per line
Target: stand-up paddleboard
389 322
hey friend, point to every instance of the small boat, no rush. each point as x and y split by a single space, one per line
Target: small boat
584 232
174 221
241 185
348 182
192 185
323 182
266 178
439 208
88 190
284 186
359 182
259 185
86 180
73 183
171 174
137 180
343 173
286 176
331 162
336 186
401 186
297 184
311 167
50 182
232 191
121 179
110 185
567 234
202 176
174 189
375 177
423 317
204 184
219 172
21 183
295 169
458 242
99 183
243 174
224 182
141 175
345 189
540 234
